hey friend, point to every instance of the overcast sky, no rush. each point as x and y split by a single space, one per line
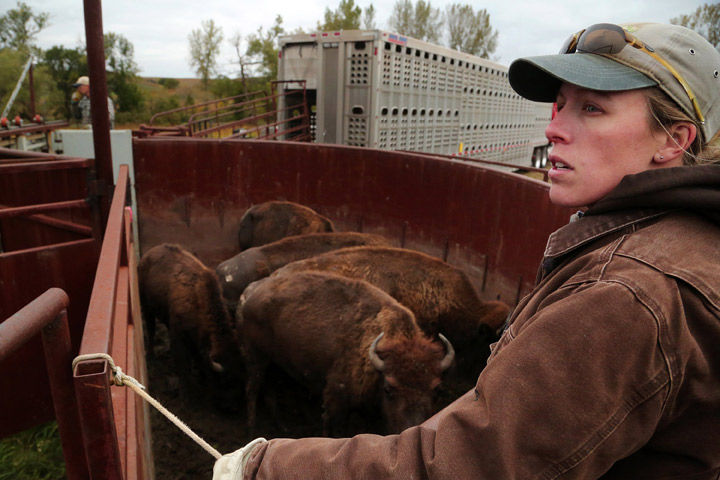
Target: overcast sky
158 29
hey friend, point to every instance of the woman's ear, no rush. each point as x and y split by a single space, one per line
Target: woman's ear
678 138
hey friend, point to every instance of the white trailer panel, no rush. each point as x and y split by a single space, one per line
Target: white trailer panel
377 89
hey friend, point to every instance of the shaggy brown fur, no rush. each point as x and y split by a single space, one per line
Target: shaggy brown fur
319 327
178 290
255 263
441 296
271 221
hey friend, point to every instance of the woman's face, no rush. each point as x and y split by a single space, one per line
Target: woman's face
598 138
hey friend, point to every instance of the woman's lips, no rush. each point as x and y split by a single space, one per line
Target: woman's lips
559 164
559 168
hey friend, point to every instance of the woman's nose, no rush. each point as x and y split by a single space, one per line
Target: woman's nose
556 131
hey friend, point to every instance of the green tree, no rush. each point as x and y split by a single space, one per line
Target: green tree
20 26
345 17
163 104
244 61
223 87
64 66
119 54
48 99
419 20
705 20
369 18
263 48
169 83
204 49
470 31
122 74
12 63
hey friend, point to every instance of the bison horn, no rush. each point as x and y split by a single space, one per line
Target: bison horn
449 355
377 362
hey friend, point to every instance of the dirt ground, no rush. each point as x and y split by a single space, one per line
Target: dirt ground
218 416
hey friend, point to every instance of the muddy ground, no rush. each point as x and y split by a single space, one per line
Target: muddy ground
218 415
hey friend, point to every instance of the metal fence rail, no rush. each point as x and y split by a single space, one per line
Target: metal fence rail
47 315
284 114
115 430
16 163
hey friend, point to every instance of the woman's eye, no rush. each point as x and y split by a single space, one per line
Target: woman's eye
591 108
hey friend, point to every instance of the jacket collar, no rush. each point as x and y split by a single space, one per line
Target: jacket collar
637 198
588 228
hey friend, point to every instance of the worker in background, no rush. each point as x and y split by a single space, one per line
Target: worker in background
610 367
80 103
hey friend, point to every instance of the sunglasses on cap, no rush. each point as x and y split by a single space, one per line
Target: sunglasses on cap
609 39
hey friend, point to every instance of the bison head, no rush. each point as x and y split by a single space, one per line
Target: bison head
412 371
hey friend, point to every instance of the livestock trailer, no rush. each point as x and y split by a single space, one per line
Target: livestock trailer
377 89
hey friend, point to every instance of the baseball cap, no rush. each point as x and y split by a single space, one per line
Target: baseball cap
84 80
695 62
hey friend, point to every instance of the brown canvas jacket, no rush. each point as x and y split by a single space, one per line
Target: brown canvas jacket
609 369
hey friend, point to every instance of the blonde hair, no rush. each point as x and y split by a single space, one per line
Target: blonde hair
664 112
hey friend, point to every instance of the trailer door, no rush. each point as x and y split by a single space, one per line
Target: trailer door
327 122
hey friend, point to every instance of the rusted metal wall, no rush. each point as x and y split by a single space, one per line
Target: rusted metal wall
51 249
32 179
490 223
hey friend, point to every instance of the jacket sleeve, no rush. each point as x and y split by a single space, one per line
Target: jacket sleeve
574 388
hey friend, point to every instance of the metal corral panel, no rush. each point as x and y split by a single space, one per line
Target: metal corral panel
70 267
492 224
54 248
382 90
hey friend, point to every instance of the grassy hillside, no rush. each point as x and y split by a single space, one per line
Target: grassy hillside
162 94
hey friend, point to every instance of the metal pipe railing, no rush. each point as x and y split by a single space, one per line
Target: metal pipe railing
200 105
22 166
47 315
42 208
66 225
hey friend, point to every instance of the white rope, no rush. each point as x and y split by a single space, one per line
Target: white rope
120 379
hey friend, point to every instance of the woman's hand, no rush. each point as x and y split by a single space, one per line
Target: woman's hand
232 465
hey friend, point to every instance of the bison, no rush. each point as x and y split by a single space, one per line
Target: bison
177 289
255 263
270 221
345 339
441 296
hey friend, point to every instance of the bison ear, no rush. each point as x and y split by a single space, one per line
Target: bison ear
245 234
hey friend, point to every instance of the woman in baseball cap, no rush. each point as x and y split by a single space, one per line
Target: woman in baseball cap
610 367
671 68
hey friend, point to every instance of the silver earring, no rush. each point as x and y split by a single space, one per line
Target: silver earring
660 157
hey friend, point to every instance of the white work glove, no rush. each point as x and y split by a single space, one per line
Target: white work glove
232 465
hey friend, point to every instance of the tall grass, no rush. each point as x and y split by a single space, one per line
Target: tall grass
34 454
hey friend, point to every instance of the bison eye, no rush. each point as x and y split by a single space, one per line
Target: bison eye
389 391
